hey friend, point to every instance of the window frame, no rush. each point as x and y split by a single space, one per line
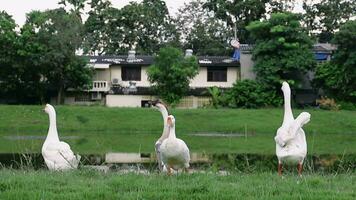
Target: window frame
132 76
214 76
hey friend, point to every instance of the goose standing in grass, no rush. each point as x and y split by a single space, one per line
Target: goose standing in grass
56 154
164 111
174 151
291 144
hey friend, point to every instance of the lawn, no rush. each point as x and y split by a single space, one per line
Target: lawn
83 184
100 129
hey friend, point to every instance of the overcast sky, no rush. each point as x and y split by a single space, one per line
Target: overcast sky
19 8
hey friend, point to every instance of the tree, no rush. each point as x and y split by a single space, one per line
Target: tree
50 41
78 5
144 26
97 27
325 17
338 77
171 74
281 6
9 72
282 51
241 12
201 31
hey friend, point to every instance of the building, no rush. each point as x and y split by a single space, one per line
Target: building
122 80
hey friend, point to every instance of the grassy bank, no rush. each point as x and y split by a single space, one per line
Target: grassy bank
101 129
94 185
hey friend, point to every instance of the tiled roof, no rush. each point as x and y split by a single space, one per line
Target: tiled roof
121 60
148 60
319 47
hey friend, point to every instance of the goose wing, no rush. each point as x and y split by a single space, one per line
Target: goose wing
158 155
61 154
185 151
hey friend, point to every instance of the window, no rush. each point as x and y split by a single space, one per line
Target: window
217 74
131 73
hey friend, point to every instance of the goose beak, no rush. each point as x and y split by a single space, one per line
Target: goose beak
169 121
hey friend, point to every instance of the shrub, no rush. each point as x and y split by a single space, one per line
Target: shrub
251 94
347 105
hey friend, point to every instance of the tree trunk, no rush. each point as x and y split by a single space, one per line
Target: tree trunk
60 95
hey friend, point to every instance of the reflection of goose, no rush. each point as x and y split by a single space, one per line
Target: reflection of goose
56 154
291 145
174 151
164 111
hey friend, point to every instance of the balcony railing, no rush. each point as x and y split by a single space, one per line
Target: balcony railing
100 86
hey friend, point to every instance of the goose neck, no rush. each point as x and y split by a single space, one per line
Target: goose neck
164 113
288 115
172 132
52 131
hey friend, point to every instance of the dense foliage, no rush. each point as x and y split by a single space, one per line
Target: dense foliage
324 17
244 94
171 74
251 94
144 26
338 77
10 74
282 51
201 31
42 58
58 35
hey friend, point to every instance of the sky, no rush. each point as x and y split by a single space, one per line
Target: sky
19 8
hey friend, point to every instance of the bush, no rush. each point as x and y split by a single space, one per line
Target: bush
216 96
251 94
347 105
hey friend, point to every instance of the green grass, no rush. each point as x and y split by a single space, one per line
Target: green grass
102 129
18 185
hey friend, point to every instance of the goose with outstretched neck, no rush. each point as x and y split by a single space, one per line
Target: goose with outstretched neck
174 152
57 154
164 111
291 144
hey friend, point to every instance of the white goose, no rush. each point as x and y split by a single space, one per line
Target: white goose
174 151
164 111
56 154
291 144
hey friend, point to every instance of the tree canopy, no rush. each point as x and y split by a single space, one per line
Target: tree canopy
201 31
50 40
171 74
239 12
10 74
338 77
324 18
282 51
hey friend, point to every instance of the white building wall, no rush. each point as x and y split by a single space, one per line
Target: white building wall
201 80
101 75
246 64
125 100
